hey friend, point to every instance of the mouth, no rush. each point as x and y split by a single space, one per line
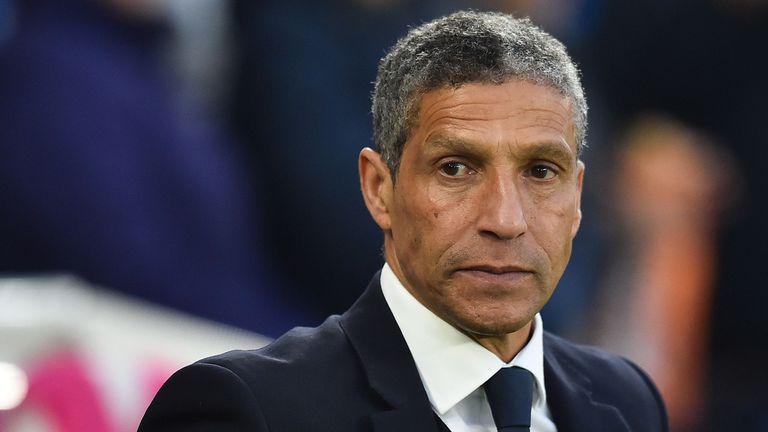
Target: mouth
496 274
494 269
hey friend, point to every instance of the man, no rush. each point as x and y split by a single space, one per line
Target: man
479 119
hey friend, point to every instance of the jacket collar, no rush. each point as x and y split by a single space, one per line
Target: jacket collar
569 395
389 367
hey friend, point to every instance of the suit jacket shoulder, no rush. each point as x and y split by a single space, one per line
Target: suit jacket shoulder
611 385
304 380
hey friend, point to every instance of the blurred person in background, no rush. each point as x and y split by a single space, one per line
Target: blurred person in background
104 173
671 186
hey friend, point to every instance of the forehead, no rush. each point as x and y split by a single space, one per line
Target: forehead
513 112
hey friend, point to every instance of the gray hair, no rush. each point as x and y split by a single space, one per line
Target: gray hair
466 47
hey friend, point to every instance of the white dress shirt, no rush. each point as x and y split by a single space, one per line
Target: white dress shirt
453 367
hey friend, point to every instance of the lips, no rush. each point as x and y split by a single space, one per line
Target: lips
495 275
497 270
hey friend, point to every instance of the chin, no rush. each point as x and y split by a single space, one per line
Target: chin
494 324
493 315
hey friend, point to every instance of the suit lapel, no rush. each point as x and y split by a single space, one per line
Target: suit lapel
375 336
569 396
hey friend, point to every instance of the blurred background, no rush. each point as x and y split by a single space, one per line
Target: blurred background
178 178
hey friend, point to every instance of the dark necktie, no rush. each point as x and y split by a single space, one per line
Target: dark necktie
510 393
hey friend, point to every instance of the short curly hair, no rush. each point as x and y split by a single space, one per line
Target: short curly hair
466 47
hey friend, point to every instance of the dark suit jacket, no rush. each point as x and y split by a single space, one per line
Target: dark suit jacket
355 373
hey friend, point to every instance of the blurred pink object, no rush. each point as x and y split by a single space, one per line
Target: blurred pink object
61 388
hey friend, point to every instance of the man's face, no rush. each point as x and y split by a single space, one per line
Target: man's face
479 222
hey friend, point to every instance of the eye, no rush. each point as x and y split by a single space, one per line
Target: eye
455 169
542 172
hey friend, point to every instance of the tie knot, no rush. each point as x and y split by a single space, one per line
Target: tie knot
510 394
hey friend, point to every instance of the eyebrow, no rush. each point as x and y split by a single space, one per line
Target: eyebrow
549 149
455 144
554 150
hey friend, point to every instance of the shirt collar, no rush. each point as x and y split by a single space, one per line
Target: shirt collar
450 363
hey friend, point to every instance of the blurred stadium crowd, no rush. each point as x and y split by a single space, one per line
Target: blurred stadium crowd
201 155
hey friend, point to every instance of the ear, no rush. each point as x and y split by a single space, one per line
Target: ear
580 182
376 185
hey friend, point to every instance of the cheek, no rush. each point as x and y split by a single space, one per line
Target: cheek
451 214
551 222
450 207
432 220
415 242
412 224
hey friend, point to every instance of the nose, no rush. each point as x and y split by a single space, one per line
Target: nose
501 213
